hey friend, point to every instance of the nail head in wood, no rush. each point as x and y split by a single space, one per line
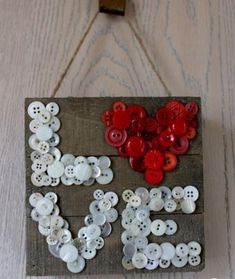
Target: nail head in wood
116 7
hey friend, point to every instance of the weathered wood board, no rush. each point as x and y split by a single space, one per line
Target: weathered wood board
82 133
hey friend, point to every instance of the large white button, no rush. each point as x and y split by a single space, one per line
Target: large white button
47 159
68 253
153 251
191 192
83 171
194 248
54 124
182 250
127 194
105 177
76 266
80 160
143 193
166 192
34 198
56 169
111 215
44 133
44 206
170 205
178 261
156 204
35 108
93 231
67 159
158 227
139 260
112 197
34 125
52 196
69 171
53 108
177 192
194 260
104 162
188 206
168 251
44 116
38 167
141 242
99 219
135 201
127 237
171 227
129 250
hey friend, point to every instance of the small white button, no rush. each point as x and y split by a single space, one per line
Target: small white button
191 193
35 215
80 160
92 161
37 179
53 108
76 266
171 227
127 194
69 171
77 181
128 213
112 197
54 124
194 248
38 167
153 251
182 250
177 192
164 263
56 169
34 125
141 242
170 205
158 227
139 260
178 261
54 140
35 155
100 242
35 108
98 194
142 213
44 133
105 204
155 193
47 159
194 260
127 237
43 147
44 116
143 193
67 181
52 196
57 221
152 264
66 236
67 159
34 198
82 233
99 219
111 215
127 263
156 204
51 240
135 201
105 177
104 162
55 211
83 171
55 152
44 206
94 207
46 180
88 220
166 192
68 253
88 253
45 231
168 251
188 206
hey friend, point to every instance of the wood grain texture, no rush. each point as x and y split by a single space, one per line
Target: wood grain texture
191 43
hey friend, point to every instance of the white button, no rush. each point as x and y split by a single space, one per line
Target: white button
47 159
54 124
168 251
79 243
80 160
191 193
33 142
156 204
34 125
194 248
45 231
135 201
139 260
35 215
83 171
142 213
99 219
89 182
126 223
45 221
145 227
178 205
67 181
182 250
88 253
35 155
106 229
44 133
55 211
77 181
166 192
188 206
105 177
91 244
53 108
46 180
98 194
135 227
55 181
69 171
112 197
92 161
96 172
56 169
66 236
82 233
37 179
194 260
66 225
178 261
76 266
127 237
34 198
67 159
54 140
127 263
57 221
94 207
68 253
44 206
170 205
54 250
153 251
100 242
88 220
143 193
164 263
127 194
158 227
155 193
104 162
38 166
43 147
111 215
152 264
171 227
105 204
35 108
129 250
55 152
128 213
177 192
52 196
141 242
44 116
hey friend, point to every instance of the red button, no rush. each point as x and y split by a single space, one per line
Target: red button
136 111
176 108
107 118
115 137
166 138
122 152
150 125
153 177
191 133
137 164
179 127
121 119
192 107
119 106
154 159
181 146
164 117
170 161
135 147
137 124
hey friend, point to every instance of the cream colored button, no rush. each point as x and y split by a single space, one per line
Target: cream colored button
47 158
127 263
194 260
68 253
56 169
164 263
127 194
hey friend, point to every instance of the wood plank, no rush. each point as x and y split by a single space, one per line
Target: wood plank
108 260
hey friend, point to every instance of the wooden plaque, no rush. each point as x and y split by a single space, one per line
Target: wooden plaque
82 133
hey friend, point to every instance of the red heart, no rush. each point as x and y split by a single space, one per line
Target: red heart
151 143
